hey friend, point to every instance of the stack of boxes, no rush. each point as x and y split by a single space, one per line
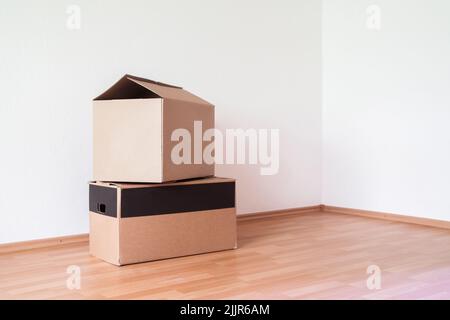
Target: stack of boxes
143 205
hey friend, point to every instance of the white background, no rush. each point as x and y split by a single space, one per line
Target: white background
257 61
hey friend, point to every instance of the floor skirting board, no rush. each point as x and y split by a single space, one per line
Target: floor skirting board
43 243
388 216
65 240
277 213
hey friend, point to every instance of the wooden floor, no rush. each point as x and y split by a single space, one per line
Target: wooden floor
307 256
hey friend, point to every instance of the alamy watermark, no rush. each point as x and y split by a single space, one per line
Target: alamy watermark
73 282
234 146
374 280
373 20
73 21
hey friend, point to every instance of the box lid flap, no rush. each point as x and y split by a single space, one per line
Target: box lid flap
132 87
127 185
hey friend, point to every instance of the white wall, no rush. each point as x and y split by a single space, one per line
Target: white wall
386 107
385 97
257 61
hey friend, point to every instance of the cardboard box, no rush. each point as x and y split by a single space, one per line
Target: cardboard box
132 223
133 123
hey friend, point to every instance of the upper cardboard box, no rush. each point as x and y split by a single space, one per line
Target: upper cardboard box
133 124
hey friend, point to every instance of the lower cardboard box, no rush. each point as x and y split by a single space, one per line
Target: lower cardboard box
132 223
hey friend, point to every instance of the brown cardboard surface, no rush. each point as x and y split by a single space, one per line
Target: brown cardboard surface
104 237
176 115
176 235
131 239
133 123
127 140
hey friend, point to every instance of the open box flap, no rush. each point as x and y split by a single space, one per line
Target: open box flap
132 87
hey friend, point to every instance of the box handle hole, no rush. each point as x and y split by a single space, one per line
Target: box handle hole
101 207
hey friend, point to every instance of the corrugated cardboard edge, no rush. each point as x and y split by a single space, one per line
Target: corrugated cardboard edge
119 216
126 185
97 247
